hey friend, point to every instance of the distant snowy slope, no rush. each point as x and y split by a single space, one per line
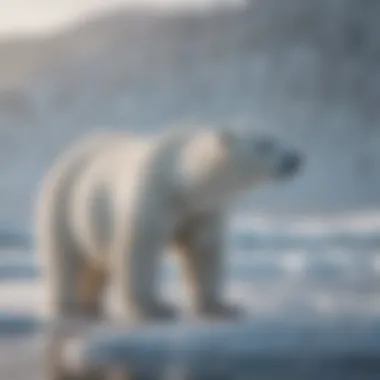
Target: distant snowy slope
40 16
307 69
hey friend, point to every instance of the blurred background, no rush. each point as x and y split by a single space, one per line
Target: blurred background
308 69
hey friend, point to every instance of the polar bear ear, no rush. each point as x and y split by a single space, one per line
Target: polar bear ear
227 135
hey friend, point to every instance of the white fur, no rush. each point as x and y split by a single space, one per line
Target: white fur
111 206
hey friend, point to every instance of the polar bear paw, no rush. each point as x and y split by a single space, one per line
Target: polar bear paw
220 310
157 311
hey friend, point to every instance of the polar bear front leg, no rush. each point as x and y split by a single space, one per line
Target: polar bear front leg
201 252
136 267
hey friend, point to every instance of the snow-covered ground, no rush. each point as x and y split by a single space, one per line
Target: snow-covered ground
318 269
325 264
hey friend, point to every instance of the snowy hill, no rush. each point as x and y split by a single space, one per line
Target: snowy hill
306 69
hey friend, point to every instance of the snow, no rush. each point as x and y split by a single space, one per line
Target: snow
268 261
314 281
40 16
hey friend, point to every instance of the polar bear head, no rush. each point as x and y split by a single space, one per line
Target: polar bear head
218 165
256 156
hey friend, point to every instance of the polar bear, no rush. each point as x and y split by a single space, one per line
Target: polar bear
111 205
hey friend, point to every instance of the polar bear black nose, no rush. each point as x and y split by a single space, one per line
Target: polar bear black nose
290 164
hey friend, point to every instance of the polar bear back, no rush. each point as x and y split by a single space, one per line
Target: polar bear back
113 169
105 176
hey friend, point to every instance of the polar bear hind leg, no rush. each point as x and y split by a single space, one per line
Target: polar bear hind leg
69 272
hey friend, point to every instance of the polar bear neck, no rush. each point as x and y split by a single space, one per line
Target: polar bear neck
206 172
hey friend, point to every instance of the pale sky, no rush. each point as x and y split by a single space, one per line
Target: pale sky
35 16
